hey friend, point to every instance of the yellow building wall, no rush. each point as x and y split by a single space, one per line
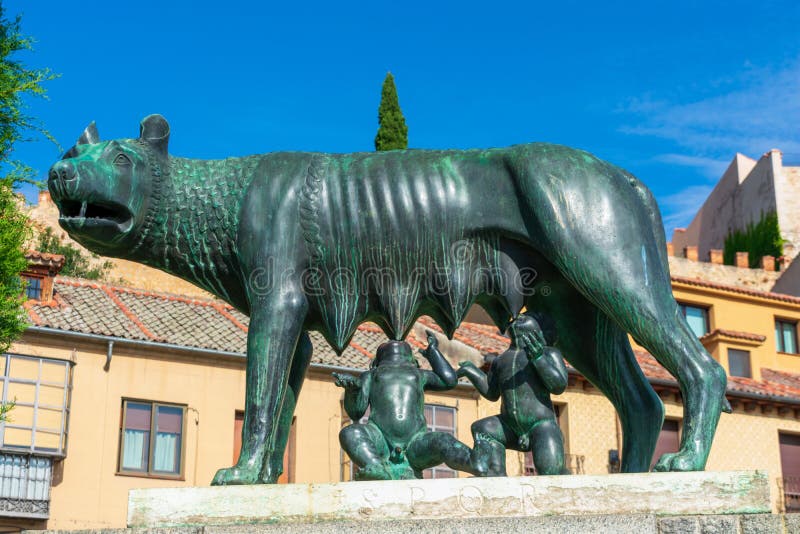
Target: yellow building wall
748 440
87 492
744 313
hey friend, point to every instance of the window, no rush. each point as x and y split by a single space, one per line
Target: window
669 440
288 454
151 439
40 387
739 363
440 419
790 470
786 336
696 317
33 287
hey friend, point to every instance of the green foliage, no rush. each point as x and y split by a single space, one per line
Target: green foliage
5 408
13 235
76 263
17 82
392 130
758 239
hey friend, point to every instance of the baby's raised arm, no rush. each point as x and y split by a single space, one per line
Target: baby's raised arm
550 367
486 384
356 393
547 360
443 376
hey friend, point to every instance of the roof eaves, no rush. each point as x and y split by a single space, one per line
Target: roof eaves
789 299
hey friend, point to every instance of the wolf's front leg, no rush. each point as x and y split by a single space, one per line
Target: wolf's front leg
272 470
275 327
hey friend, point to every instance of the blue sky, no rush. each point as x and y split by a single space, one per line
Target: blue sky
668 90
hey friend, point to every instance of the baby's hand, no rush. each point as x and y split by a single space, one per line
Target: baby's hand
432 341
433 344
346 381
533 343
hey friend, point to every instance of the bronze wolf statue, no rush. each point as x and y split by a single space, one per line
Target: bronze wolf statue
310 241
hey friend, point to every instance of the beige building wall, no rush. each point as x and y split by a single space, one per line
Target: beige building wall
123 272
748 439
746 190
88 492
789 282
711 221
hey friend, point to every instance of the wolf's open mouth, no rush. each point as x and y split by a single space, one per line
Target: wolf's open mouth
72 209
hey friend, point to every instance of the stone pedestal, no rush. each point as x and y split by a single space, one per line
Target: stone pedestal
605 503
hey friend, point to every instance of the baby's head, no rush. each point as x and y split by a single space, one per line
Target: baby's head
531 321
394 351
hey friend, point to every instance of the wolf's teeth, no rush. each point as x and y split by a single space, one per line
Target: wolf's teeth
83 210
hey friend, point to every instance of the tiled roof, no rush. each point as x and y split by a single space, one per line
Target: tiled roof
736 289
736 335
96 308
790 380
35 257
770 384
46 256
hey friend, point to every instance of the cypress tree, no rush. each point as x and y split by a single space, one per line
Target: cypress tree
392 130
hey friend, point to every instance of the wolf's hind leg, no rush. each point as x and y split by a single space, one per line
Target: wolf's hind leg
600 351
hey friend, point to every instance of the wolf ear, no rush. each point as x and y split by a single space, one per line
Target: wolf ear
89 135
155 130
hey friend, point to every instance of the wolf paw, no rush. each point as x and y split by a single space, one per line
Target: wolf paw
680 461
233 476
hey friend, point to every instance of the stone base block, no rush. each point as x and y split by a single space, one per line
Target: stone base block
563 524
617 498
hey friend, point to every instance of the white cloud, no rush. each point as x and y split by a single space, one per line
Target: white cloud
763 112
711 168
679 208
753 111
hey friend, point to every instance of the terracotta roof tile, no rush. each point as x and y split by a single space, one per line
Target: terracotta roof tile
44 256
736 335
736 289
96 308
85 307
790 380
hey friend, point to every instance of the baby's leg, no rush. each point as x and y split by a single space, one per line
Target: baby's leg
547 445
430 449
491 436
366 446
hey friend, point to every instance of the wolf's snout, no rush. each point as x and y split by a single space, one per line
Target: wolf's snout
62 171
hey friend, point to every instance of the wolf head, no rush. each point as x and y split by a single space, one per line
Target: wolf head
107 192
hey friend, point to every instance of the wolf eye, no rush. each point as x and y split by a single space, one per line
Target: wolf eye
122 159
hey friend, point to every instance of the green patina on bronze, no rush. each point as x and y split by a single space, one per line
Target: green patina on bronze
522 377
309 241
395 444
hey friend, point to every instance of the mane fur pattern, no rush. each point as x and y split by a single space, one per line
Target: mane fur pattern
197 235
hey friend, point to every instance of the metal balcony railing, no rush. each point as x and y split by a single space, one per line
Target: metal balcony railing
25 485
574 463
791 493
